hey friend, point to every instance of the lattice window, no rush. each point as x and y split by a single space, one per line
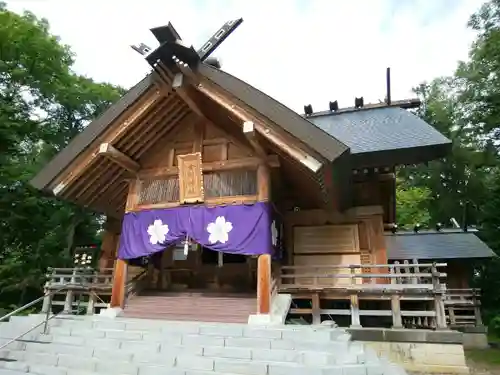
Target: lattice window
230 183
159 191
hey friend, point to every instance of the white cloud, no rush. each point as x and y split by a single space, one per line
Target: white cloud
300 52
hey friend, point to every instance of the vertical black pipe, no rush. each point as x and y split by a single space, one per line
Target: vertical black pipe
388 85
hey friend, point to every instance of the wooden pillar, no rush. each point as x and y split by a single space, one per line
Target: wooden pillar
120 269
264 182
264 261
264 284
108 249
119 277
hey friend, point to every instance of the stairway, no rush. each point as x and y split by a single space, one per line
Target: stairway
103 346
197 307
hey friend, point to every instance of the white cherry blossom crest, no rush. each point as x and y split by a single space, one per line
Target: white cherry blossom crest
157 232
219 230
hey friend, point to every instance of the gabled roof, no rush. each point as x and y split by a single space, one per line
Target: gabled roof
325 145
377 136
436 245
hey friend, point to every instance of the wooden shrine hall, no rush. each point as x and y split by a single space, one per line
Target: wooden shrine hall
216 189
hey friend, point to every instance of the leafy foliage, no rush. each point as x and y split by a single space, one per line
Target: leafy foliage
43 104
465 185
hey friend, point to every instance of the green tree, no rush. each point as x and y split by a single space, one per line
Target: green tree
411 205
43 104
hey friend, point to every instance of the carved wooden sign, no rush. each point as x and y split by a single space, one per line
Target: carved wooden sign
190 178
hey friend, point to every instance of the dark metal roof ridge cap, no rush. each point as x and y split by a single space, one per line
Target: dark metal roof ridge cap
401 104
206 69
430 232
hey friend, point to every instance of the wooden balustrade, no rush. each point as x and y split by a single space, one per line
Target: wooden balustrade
83 287
463 307
418 282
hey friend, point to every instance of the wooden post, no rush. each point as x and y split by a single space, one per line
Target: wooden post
91 304
477 309
355 318
263 181
316 313
46 302
438 299
119 277
264 284
416 270
68 302
397 320
108 248
451 313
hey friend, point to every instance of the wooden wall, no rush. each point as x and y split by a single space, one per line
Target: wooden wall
229 167
354 237
376 190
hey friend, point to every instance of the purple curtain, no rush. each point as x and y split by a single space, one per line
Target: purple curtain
236 229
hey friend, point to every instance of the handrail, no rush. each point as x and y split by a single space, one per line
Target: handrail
47 317
34 302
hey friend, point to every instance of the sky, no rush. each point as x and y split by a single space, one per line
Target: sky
298 51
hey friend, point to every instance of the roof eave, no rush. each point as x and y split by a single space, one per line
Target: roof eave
79 144
403 156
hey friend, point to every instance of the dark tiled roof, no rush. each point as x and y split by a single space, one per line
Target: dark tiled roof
379 129
436 245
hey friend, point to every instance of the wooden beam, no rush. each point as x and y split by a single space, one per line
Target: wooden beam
116 131
251 135
119 157
223 165
178 84
273 136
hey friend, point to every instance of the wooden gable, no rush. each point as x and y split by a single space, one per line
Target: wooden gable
143 141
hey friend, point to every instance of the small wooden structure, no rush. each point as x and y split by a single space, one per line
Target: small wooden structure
191 136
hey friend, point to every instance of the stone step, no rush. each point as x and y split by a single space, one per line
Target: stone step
154 342
45 363
133 350
79 345
10 372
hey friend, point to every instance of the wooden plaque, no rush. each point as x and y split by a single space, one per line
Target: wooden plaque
190 178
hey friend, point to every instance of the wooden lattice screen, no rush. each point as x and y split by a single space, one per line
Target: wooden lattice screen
230 183
159 191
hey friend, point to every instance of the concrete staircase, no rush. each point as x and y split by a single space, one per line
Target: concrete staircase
104 346
196 307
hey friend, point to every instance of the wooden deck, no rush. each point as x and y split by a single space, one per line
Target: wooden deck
410 295
394 295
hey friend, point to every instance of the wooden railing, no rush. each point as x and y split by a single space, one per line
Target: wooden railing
389 284
86 287
463 307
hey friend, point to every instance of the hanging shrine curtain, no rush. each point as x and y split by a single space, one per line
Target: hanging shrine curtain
236 229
